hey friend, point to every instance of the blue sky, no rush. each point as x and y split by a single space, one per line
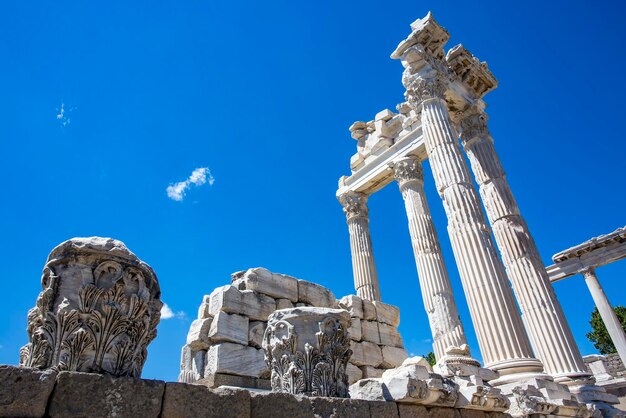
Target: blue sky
262 94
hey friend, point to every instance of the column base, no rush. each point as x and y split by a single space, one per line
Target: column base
517 370
597 398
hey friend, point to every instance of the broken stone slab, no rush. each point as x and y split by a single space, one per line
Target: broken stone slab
198 335
389 335
315 295
354 373
369 389
478 395
220 379
369 332
98 396
24 392
255 333
370 372
283 304
229 358
369 310
355 329
393 357
414 384
229 328
365 353
417 361
261 280
387 314
194 401
352 304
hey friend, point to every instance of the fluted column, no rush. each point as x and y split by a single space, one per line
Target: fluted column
543 317
363 265
445 324
503 342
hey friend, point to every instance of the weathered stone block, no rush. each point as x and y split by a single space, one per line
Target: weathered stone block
439 412
273 404
24 392
388 314
229 328
302 305
369 389
194 401
393 356
248 303
370 372
95 396
257 306
352 304
380 409
220 379
366 354
354 373
279 286
225 299
198 336
369 332
369 310
235 359
337 407
315 295
412 411
255 333
203 311
389 335
283 304
355 330
471 413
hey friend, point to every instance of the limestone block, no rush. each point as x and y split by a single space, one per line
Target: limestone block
414 384
418 361
255 333
393 356
302 305
198 335
388 314
225 299
369 310
389 335
337 407
354 373
352 304
220 379
368 389
197 364
369 332
370 372
366 354
315 295
355 329
24 392
203 311
194 401
235 359
229 328
274 404
257 306
283 304
98 396
381 409
412 411
438 412
279 286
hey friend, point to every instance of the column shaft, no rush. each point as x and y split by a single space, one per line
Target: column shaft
613 326
363 265
445 324
549 332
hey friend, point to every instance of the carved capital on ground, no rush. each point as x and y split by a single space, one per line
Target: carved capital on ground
408 169
354 204
473 125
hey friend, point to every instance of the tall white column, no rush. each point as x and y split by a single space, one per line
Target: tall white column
445 324
503 342
549 332
363 265
607 313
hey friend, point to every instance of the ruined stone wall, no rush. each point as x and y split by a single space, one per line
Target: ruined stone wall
33 393
224 343
615 365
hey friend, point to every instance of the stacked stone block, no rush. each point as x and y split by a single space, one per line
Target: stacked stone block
224 343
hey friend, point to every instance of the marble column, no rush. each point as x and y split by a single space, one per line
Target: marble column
363 265
550 335
445 324
503 342
613 326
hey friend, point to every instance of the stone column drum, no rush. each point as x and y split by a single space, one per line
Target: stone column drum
503 342
445 324
549 332
307 351
97 312
363 265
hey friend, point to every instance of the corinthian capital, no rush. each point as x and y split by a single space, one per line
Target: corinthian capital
419 89
354 204
408 169
473 125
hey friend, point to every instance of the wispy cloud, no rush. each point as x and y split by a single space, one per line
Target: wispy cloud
198 177
63 114
168 313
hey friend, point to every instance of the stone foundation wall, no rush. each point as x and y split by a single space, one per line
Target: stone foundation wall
615 365
33 393
224 343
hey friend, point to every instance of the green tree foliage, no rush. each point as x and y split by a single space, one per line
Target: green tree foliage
599 336
430 357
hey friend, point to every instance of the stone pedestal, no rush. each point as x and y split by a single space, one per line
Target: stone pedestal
97 312
307 351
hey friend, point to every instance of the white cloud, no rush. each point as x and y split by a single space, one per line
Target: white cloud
198 177
63 114
168 313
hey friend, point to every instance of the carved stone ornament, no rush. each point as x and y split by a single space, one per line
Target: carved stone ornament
473 126
354 204
419 89
97 312
307 351
408 169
